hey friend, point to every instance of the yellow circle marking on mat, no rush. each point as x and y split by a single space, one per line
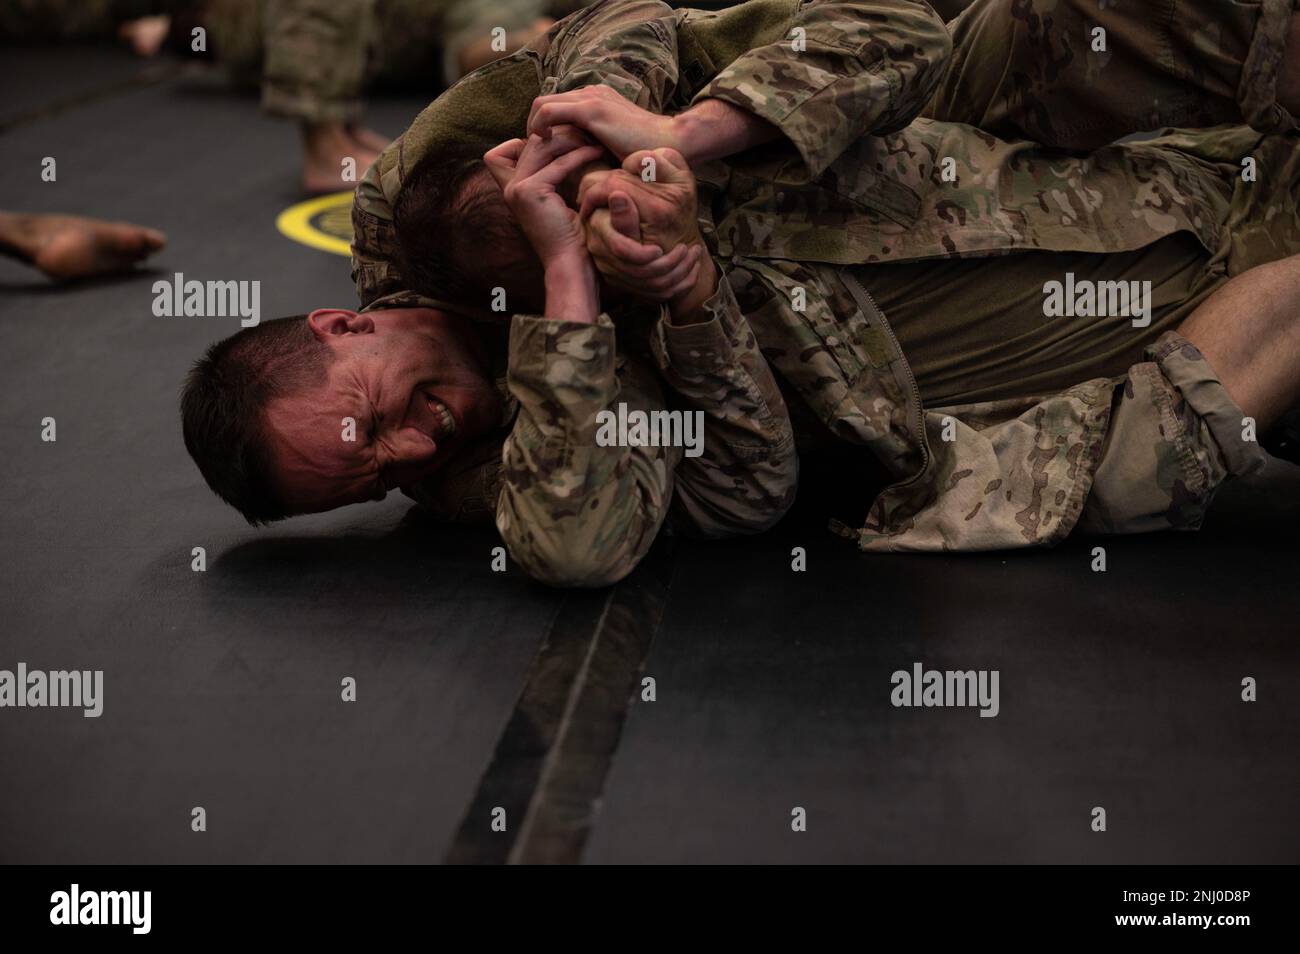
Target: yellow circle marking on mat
324 223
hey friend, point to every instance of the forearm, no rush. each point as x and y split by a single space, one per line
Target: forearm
688 309
572 293
714 129
573 510
744 475
628 46
853 69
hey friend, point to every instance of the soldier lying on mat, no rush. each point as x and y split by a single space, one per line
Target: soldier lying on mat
856 229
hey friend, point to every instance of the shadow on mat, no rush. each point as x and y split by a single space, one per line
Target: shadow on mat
39 285
417 561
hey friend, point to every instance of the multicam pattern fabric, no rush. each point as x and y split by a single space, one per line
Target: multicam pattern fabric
891 157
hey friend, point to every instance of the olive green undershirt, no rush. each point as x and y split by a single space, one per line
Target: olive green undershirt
974 329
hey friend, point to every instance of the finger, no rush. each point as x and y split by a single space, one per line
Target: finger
662 267
592 181
540 101
647 262
661 284
594 197
557 170
623 252
688 282
539 152
599 232
545 118
624 215
633 251
508 151
502 161
614 181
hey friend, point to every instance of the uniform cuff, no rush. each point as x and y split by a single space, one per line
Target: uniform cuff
1187 370
703 346
563 371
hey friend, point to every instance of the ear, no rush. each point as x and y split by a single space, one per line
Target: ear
339 321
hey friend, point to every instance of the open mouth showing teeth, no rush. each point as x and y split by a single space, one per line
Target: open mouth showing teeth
444 423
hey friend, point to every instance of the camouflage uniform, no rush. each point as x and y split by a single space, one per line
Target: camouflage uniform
860 181
314 57
74 20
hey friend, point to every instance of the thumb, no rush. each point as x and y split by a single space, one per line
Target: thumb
623 214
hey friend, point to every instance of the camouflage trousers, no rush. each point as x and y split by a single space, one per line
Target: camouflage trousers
1176 435
1173 435
313 58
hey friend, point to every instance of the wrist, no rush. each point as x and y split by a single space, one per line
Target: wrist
688 309
572 290
715 129
688 133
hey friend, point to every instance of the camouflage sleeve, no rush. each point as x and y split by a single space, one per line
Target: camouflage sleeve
1078 74
843 70
378 280
745 476
629 46
373 270
574 511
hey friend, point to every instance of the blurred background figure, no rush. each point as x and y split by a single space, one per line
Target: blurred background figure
69 247
312 59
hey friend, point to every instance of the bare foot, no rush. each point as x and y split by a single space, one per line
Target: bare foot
326 149
368 138
146 35
65 247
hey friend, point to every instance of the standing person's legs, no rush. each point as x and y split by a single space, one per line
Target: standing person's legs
316 58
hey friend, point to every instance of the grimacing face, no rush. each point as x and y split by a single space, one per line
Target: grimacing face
415 381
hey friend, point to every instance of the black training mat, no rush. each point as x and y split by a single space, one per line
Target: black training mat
478 690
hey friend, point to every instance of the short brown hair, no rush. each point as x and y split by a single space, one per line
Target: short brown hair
443 226
224 399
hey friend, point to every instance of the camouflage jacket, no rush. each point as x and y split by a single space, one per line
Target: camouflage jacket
860 178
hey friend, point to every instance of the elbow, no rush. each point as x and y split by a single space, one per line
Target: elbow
572 562
573 570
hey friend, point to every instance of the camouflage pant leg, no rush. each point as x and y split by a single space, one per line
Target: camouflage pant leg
235 28
409 41
1175 436
1027 68
471 20
316 53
